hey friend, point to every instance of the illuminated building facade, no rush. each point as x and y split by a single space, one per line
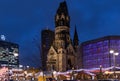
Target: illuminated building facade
9 53
62 54
96 53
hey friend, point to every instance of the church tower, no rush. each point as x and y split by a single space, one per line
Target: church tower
62 26
61 55
75 40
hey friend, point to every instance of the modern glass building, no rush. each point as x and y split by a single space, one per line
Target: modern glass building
9 54
96 53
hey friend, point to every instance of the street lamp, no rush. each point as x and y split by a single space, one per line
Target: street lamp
20 66
27 67
54 75
114 58
72 73
100 68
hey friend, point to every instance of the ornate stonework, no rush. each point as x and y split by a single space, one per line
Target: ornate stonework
62 55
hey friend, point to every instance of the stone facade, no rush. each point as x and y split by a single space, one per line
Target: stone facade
62 55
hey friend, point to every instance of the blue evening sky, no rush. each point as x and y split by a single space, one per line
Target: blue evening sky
21 21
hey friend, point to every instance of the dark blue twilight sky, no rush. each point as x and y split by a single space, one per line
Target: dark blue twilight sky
22 20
